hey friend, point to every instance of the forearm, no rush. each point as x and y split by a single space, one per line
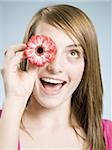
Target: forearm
17 82
10 123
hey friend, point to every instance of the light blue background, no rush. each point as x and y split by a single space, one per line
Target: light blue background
14 17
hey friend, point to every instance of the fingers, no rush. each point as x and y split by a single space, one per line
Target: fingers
13 56
12 50
17 59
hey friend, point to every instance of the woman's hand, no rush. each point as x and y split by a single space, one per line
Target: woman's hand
17 83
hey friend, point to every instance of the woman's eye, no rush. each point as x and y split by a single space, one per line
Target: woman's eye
74 53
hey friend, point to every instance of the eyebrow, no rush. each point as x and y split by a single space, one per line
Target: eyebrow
73 45
80 49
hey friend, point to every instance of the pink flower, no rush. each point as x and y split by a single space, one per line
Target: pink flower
40 50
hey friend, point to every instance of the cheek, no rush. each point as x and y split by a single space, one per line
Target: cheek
75 72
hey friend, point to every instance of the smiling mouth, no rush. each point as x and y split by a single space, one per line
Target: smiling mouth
52 85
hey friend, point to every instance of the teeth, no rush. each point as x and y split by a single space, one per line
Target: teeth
52 80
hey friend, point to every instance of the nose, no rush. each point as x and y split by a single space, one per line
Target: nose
56 65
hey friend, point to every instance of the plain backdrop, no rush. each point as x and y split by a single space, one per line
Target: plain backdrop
15 15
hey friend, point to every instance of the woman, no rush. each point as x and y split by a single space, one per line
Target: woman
45 115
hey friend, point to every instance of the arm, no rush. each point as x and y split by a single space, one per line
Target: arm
18 86
10 122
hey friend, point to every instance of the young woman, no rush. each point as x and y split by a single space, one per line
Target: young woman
59 105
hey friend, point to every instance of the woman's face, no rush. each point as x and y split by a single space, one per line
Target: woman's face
57 81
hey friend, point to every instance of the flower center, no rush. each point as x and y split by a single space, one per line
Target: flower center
40 50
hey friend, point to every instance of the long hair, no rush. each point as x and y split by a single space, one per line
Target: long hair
86 102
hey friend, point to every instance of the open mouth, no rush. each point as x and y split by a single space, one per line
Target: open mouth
52 85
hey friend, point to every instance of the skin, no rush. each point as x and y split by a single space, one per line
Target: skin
50 107
47 115
69 70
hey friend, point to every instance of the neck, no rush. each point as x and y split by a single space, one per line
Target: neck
48 117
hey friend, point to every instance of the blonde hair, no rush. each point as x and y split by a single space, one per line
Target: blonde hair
86 102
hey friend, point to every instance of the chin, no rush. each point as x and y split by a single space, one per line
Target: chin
50 95
49 103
